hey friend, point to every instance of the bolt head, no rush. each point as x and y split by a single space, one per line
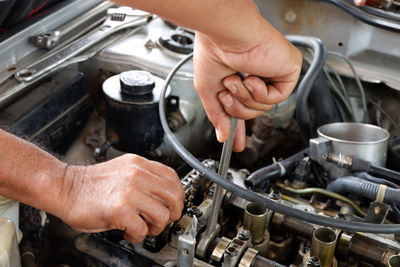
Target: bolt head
290 16
244 235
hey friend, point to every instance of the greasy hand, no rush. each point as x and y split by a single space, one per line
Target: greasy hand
130 193
223 93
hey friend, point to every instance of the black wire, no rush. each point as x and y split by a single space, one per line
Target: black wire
252 196
364 16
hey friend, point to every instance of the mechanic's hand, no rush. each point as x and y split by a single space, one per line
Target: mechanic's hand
224 93
360 2
130 193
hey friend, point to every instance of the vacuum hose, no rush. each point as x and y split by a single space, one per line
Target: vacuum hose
252 196
360 187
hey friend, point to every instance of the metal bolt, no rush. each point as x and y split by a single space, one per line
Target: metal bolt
210 193
275 195
150 44
290 16
232 251
179 230
313 262
229 176
197 212
244 235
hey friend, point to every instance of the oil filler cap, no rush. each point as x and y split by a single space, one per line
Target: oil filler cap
137 82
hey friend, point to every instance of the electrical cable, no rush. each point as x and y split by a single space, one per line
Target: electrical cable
387 114
345 103
364 16
358 80
252 196
339 79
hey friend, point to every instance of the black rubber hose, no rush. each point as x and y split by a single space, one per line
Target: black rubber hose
323 101
273 171
373 179
306 84
364 16
252 196
385 173
360 165
360 187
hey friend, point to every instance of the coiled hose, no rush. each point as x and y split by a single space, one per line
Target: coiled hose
357 186
252 196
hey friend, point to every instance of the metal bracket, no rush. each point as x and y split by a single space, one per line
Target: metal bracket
187 245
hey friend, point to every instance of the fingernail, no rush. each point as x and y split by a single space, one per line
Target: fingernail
218 135
226 100
233 88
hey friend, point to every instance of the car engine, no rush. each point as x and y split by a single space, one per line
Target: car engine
317 185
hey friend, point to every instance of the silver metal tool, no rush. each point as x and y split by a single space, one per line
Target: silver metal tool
92 19
117 19
213 227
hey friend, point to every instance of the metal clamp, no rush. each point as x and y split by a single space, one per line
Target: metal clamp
187 244
117 19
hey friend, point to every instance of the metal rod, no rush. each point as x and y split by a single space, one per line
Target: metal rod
222 171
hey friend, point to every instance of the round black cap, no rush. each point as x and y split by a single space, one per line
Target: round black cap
137 82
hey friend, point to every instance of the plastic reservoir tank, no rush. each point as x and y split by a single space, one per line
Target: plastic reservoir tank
9 233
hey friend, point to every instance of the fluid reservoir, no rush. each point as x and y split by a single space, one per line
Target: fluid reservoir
132 121
9 252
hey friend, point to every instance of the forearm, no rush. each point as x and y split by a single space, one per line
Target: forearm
231 22
29 174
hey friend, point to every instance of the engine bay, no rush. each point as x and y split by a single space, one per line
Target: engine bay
316 185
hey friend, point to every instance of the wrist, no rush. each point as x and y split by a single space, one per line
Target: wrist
241 40
67 188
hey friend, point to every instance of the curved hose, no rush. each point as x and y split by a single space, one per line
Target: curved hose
252 196
306 84
275 170
373 179
382 13
365 17
360 187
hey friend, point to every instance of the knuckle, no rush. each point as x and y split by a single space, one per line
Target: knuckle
140 236
142 233
162 219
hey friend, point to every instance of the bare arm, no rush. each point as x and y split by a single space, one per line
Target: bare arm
226 21
232 37
129 193
27 172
